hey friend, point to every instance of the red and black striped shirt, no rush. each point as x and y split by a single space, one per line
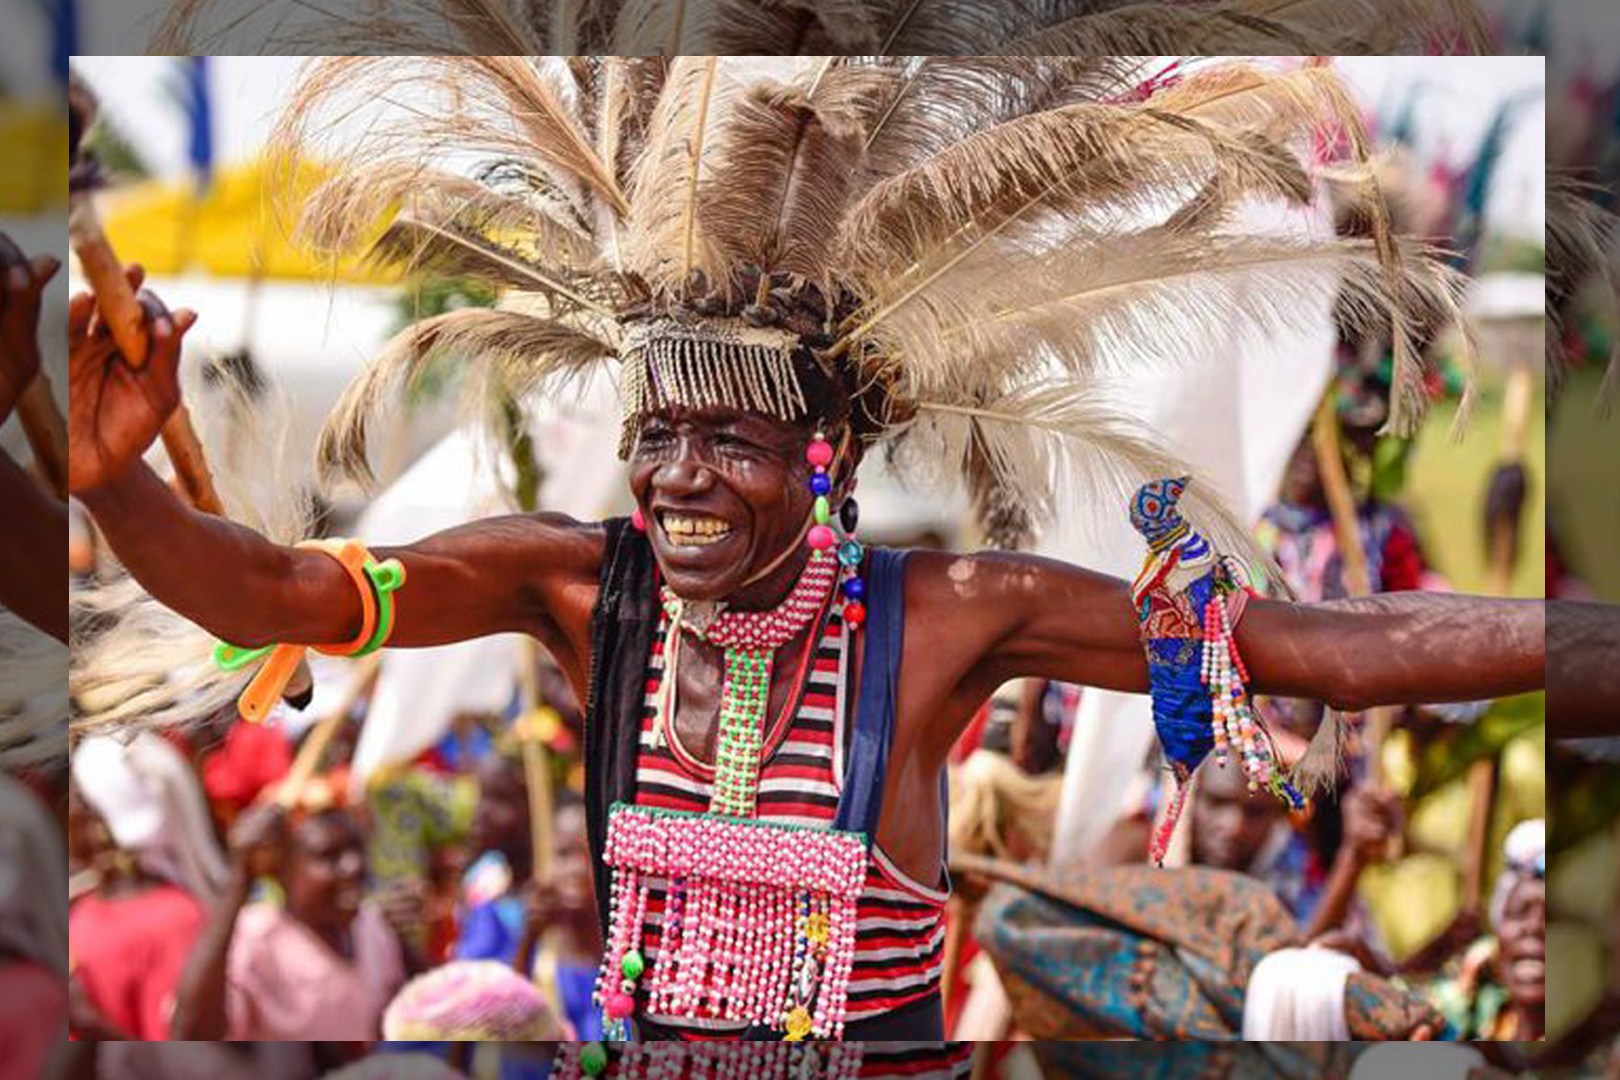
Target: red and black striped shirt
900 929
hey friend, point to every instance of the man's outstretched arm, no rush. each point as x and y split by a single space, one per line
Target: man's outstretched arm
497 575
1028 616
482 578
1405 648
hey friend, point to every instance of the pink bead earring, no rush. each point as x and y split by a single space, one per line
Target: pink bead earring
820 455
638 521
822 536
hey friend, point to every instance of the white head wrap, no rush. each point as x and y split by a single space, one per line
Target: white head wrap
1524 854
1297 995
149 797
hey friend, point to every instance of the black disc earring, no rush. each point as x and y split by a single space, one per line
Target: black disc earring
849 514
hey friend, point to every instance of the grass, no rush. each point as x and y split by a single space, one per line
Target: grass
1584 487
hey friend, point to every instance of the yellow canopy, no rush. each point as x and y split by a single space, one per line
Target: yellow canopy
34 134
236 229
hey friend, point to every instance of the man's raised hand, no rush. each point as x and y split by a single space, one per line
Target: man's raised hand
22 282
115 410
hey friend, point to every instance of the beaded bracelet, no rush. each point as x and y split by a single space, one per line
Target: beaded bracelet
1189 599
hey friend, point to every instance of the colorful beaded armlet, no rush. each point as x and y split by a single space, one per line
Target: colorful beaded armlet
1188 599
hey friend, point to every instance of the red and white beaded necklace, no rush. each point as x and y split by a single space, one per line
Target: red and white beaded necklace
759 918
750 640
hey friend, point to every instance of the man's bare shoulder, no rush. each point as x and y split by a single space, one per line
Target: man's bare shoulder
947 577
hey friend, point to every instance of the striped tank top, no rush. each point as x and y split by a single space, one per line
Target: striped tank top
900 927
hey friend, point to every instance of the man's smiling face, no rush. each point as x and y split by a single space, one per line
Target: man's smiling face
724 493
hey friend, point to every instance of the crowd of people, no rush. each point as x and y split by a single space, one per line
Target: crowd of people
405 913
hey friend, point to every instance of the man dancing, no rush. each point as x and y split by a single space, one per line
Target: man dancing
933 257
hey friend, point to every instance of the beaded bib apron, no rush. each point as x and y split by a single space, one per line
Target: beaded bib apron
724 921
899 929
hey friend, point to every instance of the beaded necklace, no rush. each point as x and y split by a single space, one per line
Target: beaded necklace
750 640
759 921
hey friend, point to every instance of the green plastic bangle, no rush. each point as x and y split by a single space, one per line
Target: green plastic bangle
385 578
228 657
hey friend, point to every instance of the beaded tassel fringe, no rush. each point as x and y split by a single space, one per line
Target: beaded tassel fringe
1234 725
716 362
710 1061
758 925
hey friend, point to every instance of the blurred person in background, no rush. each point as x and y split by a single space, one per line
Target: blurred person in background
240 762
137 821
1497 988
561 945
1234 829
490 916
320 964
419 819
33 933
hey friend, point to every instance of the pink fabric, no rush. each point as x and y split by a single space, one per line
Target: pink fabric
284 982
129 951
253 757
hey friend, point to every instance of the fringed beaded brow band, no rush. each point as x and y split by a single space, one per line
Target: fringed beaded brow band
707 363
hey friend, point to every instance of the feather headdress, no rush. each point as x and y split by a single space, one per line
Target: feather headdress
804 28
1581 254
958 247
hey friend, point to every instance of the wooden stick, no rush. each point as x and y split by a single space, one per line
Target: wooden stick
185 452
114 297
537 774
1481 804
1515 434
1353 557
984 1060
958 915
1341 500
126 321
47 432
291 788
536 767
1482 775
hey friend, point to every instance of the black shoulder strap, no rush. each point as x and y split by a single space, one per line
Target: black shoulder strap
623 625
868 760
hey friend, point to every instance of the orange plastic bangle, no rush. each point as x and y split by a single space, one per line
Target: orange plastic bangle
268 684
352 556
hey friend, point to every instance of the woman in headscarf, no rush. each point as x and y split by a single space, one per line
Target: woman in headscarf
139 823
1497 989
